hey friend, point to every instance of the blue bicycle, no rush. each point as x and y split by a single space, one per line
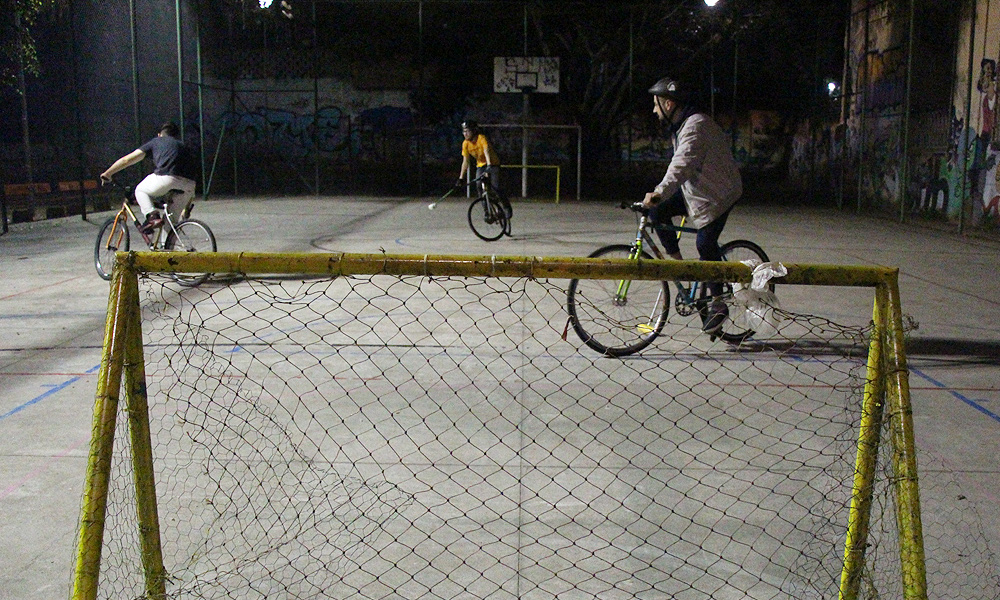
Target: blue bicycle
618 318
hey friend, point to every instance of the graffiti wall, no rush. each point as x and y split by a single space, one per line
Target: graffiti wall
954 143
761 141
269 132
877 60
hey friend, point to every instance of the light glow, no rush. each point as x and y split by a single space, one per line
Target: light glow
265 3
711 2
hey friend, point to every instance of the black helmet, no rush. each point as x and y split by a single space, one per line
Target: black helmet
470 125
669 88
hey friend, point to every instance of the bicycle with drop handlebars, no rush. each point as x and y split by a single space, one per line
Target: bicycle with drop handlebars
618 318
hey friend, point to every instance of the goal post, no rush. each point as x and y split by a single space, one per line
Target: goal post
349 424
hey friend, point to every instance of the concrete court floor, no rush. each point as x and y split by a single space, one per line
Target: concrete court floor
52 311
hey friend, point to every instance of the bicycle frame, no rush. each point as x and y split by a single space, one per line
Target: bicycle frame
685 296
161 232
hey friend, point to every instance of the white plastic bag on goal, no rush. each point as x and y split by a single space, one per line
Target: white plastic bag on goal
758 301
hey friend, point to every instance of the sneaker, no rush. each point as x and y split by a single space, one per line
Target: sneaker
153 220
715 315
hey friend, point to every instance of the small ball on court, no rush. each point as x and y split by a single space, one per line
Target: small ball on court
431 205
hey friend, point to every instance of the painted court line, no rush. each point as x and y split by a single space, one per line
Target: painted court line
961 397
56 388
45 467
35 289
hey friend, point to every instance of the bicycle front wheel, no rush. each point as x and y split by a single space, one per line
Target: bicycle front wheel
617 318
487 219
190 236
738 327
113 237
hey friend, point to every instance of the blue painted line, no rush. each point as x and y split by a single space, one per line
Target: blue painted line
974 404
54 388
38 399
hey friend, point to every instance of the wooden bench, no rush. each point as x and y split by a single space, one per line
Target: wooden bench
37 201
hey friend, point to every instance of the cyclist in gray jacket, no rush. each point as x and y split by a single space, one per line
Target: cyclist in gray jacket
702 181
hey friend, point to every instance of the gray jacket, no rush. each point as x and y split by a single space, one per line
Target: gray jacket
703 168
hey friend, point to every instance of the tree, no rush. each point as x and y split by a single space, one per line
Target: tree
610 52
18 54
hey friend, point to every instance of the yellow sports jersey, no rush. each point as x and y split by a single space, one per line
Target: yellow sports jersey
478 149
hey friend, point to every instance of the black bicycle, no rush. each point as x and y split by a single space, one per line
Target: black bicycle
489 212
618 318
184 235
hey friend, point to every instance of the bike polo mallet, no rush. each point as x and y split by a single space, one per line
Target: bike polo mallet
433 204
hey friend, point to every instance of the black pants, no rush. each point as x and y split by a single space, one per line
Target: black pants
707 240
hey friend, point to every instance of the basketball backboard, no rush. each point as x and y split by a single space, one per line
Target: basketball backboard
516 74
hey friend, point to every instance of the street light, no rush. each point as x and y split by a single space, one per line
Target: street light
265 3
711 2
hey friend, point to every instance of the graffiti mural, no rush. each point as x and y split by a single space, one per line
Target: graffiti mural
987 150
287 132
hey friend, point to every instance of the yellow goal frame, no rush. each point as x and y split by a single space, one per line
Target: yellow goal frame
122 368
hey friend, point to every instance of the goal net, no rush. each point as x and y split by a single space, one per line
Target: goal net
377 426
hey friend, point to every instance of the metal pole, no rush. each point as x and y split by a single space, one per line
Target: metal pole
904 178
864 111
201 108
81 168
869 439
524 8
736 64
135 73
525 107
579 160
180 68
843 106
315 73
90 538
524 143
23 92
904 458
968 124
420 94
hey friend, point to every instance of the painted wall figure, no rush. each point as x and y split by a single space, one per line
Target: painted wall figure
987 86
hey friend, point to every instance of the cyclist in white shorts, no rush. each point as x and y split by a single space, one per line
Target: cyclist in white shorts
173 168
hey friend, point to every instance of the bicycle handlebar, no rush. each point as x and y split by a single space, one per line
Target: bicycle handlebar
115 184
484 176
638 207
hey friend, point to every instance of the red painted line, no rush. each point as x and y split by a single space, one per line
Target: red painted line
45 467
40 288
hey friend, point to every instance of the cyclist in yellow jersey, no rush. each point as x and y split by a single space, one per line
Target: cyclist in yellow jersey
477 146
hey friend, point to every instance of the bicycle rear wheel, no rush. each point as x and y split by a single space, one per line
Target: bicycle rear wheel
487 219
612 322
190 236
113 237
737 328
508 211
